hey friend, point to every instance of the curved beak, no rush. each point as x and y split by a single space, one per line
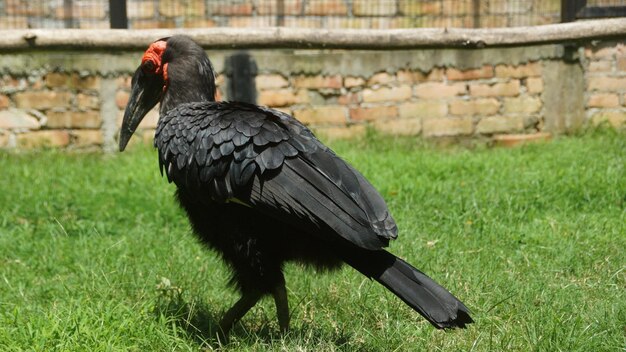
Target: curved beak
145 93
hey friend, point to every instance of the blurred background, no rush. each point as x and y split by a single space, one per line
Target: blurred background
377 14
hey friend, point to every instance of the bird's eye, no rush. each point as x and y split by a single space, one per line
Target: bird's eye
149 66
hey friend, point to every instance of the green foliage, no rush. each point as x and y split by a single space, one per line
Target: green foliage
95 254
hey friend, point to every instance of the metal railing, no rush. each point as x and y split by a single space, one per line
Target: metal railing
376 14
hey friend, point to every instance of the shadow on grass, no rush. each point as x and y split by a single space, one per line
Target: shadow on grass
201 325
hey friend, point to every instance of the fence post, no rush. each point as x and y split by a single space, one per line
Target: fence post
570 8
117 12
476 13
68 17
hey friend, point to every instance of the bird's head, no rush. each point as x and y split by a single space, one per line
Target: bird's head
173 71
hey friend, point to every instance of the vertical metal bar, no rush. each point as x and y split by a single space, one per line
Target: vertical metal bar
476 13
117 14
68 17
570 8
280 13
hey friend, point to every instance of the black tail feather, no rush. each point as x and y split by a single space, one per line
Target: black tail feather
417 290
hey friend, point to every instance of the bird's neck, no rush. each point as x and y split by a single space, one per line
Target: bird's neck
189 83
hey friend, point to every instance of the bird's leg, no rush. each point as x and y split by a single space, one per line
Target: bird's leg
282 306
236 312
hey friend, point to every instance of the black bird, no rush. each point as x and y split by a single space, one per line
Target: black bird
261 190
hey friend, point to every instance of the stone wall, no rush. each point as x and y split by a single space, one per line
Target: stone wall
605 76
76 99
379 14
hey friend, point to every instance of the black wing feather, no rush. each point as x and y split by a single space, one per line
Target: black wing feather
270 161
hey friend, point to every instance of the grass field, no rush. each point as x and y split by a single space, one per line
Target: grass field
95 254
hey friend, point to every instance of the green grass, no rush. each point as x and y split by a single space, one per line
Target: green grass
95 254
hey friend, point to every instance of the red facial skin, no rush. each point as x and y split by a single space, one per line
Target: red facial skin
153 55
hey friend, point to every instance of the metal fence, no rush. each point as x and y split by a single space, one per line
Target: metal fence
379 14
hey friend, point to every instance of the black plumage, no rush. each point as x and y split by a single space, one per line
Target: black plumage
261 190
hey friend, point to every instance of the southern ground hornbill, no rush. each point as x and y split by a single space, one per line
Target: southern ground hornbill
261 190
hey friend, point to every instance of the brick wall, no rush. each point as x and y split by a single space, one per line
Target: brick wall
605 75
297 13
76 99
436 103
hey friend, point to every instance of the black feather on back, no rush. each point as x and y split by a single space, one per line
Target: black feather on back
265 159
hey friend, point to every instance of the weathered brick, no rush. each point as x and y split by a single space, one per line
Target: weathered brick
283 97
4 140
523 104
381 78
87 10
317 82
121 99
600 66
17 119
268 7
373 113
615 119
87 138
387 94
531 69
10 84
56 79
329 132
506 89
399 127
88 23
251 21
500 124
20 7
419 8
436 74
42 100
141 9
199 23
443 127
86 102
458 7
424 108
621 64
483 106
230 8
326 7
454 74
373 8
494 21
603 100
430 90
74 119
123 82
349 98
151 24
450 22
85 82
603 51
322 115
407 76
534 85
172 8
604 83
4 101
270 81
39 139
351 82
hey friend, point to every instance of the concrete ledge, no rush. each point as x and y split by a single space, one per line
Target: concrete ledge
300 38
